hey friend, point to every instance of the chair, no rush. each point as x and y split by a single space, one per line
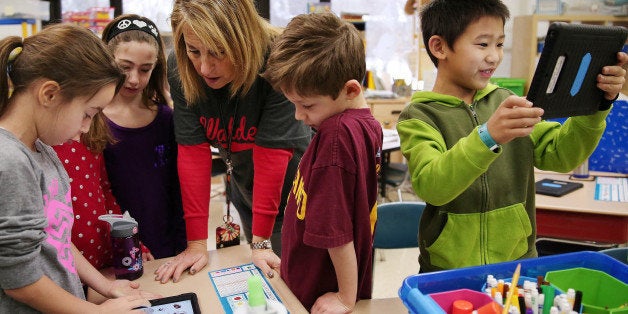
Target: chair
394 174
618 253
397 225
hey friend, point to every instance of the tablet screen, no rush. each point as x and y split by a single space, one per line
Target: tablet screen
186 303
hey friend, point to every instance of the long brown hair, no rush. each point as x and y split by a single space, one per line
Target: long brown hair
99 134
68 54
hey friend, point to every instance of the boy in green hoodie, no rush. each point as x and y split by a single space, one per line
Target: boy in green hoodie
472 146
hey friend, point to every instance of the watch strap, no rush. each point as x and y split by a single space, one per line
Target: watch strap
263 245
487 139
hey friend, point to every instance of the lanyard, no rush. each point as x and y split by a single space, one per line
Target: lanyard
228 161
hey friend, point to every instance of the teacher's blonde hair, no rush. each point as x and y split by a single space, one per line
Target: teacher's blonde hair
230 26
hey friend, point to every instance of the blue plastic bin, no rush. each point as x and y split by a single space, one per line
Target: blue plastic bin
415 290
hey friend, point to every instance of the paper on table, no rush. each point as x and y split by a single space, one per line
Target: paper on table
391 139
232 288
611 189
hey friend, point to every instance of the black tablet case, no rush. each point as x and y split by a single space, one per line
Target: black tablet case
556 187
574 42
190 296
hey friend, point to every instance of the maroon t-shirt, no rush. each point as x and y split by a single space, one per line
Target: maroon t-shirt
330 204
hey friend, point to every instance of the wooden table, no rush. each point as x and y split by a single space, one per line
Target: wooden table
379 306
578 216
201 283
233 256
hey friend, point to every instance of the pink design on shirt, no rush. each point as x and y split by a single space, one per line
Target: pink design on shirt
60 220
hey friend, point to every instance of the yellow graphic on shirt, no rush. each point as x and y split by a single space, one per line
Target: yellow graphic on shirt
373 218
300 196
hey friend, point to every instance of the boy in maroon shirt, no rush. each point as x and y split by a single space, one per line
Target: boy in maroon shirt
327 237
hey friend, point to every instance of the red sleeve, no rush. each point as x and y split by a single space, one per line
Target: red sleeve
270 165
194 164
111 205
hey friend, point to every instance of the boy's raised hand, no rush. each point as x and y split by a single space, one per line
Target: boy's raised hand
612 78
515 117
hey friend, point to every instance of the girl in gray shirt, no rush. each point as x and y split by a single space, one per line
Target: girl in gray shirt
46 99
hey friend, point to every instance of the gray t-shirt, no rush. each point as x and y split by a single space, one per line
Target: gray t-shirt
35 221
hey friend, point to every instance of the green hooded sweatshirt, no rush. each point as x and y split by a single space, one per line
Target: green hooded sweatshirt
480 204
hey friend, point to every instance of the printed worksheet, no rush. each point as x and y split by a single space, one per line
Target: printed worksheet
611 189
232 289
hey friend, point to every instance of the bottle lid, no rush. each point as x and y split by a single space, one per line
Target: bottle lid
123 229
462 307
122 226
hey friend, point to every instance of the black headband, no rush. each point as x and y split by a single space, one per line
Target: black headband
139 24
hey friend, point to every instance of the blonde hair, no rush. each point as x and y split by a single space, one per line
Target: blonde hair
232 26
68 54
317 54
155 90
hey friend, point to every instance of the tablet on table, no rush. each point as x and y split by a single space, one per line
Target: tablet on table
184 303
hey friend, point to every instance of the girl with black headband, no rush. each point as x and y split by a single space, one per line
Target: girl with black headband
141 164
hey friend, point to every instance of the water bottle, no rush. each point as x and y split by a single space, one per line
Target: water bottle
125 243
582 172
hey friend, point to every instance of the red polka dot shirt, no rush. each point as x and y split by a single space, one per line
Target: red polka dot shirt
91 197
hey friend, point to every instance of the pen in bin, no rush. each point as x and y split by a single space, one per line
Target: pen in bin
515 280
577 304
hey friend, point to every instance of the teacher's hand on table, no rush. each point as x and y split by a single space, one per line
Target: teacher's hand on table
267 261
195 257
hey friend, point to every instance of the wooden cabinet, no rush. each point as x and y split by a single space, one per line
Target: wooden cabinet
525 40
387 111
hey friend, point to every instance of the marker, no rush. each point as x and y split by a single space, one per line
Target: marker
257 300
577 303
491 281
571 297
515 280
535 301
548 292
522 305
527 297
498 298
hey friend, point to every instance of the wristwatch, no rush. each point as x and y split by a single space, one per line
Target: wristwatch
264 245
487 139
